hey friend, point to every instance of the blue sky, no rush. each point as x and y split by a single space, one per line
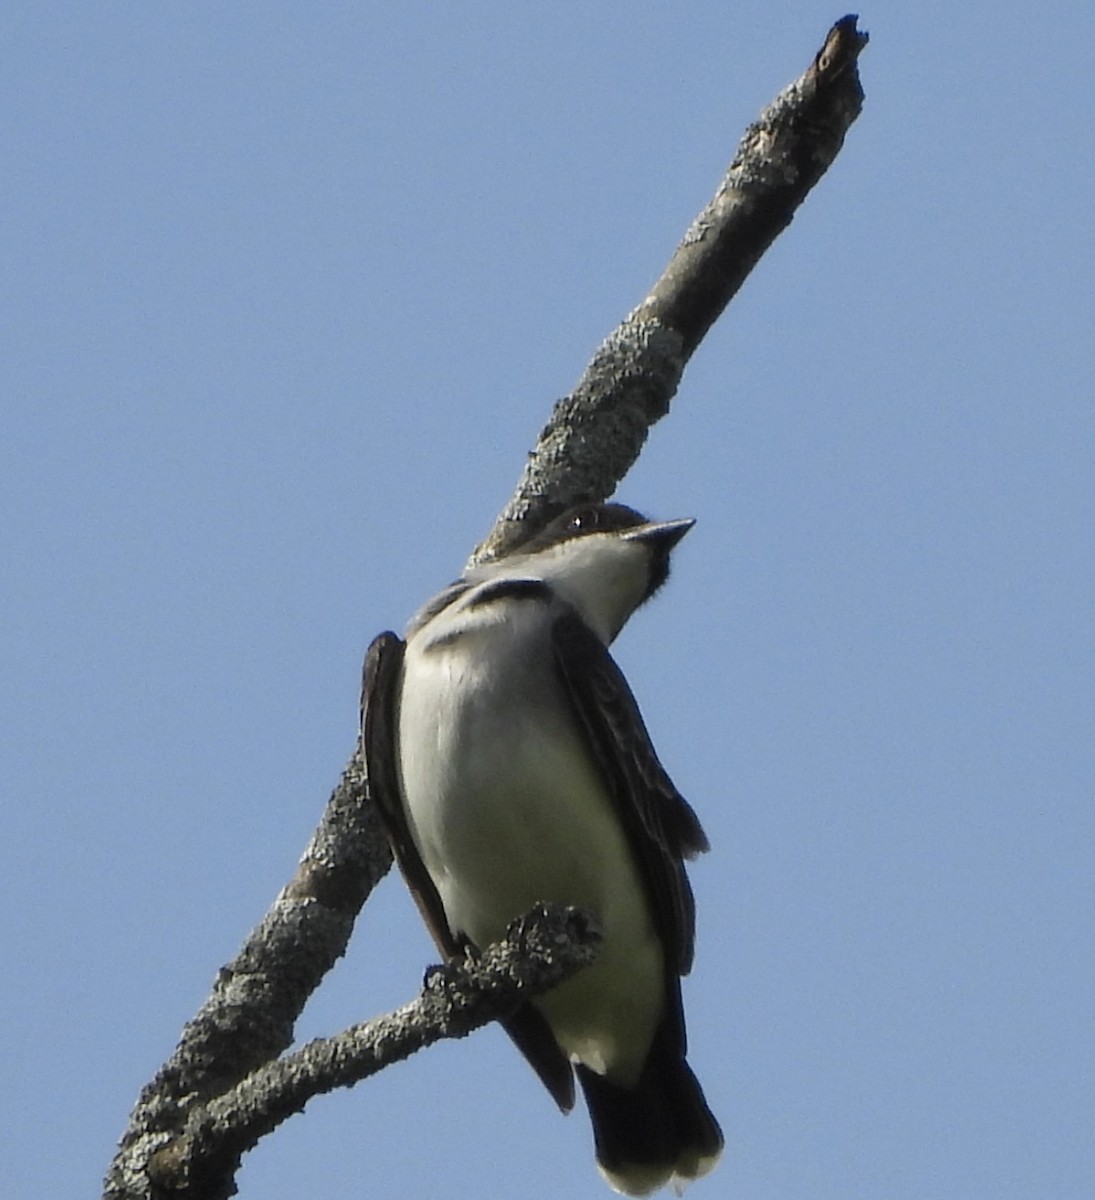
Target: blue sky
287 292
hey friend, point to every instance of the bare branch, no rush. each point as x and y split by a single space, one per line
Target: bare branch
225 1086
257 998
194 1155
596 433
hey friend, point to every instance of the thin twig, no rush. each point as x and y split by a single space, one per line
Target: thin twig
196 1154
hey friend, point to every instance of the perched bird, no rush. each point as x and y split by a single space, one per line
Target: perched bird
511 766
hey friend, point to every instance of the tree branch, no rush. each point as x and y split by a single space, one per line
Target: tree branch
225 1086
195 1154
595 434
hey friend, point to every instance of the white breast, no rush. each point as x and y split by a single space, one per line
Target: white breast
508 808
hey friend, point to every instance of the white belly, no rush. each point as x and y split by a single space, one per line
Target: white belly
508 808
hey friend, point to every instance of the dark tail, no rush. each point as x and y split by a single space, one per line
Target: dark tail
660 1131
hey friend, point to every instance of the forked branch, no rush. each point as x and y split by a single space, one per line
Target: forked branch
227 1083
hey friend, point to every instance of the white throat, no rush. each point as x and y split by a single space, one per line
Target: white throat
603 576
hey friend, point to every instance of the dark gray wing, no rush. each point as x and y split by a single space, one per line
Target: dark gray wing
661 826
379 717
379 691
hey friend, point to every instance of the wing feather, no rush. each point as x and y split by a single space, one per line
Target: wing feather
661 826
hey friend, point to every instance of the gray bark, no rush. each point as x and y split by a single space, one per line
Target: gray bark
230 1080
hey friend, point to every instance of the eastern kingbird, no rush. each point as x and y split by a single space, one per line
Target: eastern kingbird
510 766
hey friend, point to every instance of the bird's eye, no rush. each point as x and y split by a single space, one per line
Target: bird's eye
584 520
